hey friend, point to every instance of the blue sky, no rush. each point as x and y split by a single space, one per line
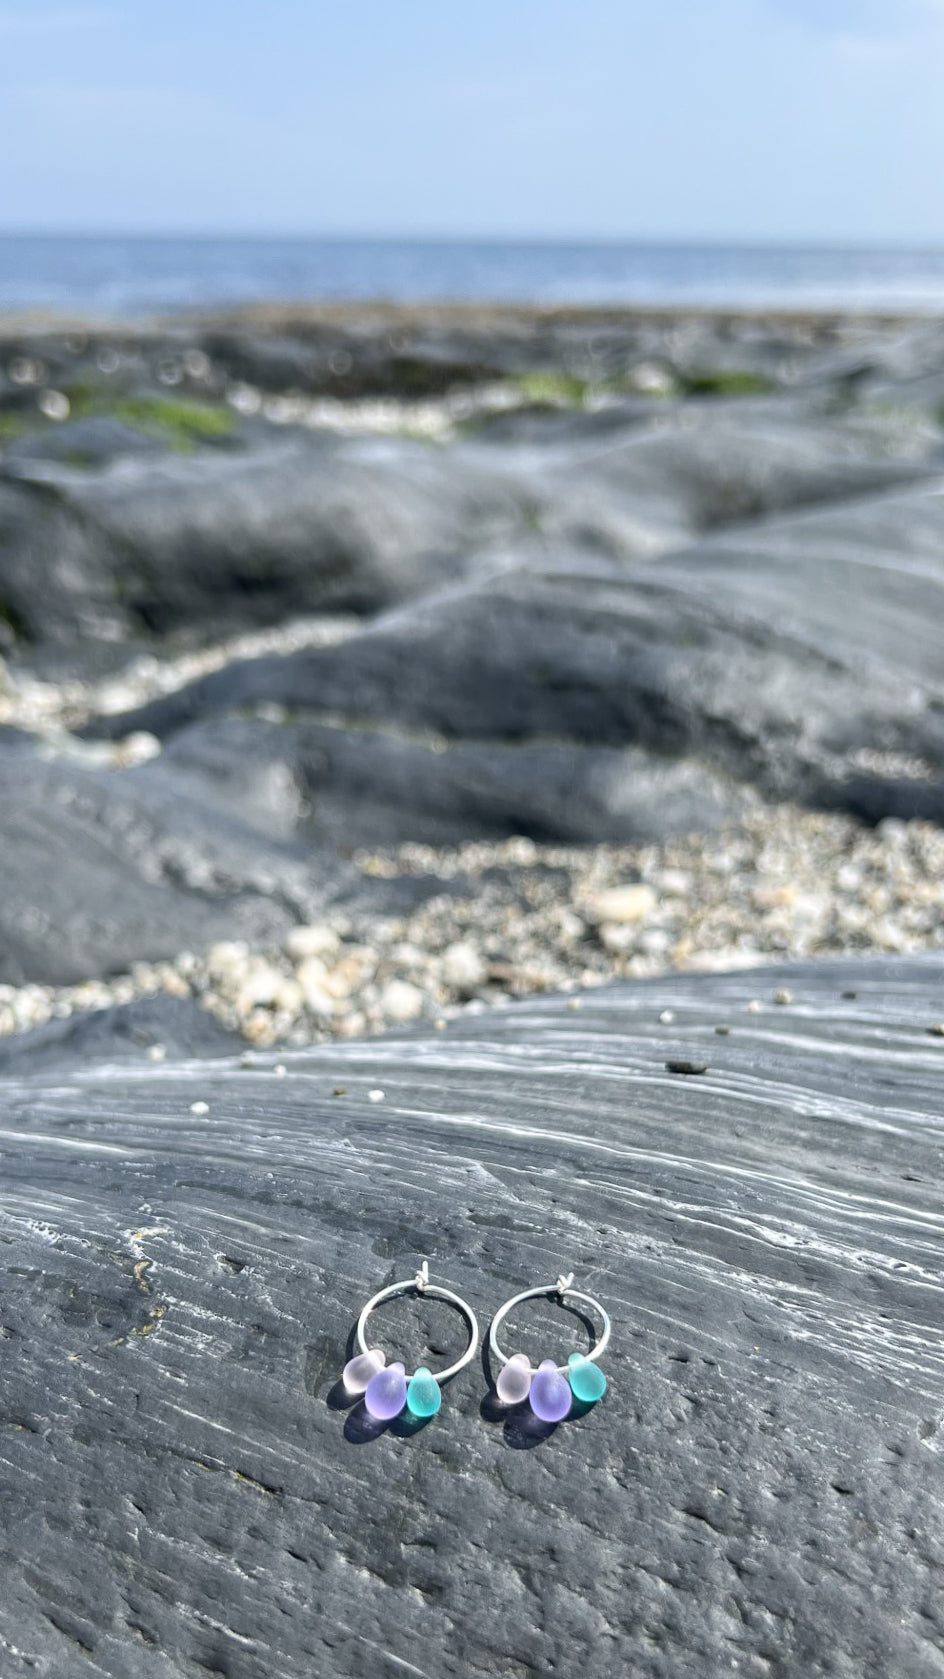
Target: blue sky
750 119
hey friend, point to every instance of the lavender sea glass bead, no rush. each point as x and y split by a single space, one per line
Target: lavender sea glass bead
386 1393
550 1393
358 1371
514 1380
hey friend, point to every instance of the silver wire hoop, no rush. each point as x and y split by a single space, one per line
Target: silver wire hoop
562 1290
420 1284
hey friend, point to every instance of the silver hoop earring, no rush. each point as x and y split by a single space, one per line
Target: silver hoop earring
552 1387
386 1387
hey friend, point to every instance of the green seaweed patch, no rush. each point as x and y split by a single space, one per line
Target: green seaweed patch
553 390
179 421
183 423
13 426
726 381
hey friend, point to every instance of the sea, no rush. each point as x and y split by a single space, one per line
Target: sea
117 277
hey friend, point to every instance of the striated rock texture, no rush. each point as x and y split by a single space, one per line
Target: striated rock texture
760 1491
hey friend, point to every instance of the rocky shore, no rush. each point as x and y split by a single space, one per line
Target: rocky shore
422 629
471 787
503 919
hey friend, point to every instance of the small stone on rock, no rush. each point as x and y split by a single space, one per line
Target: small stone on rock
402 1001
315 940
462 967
623 904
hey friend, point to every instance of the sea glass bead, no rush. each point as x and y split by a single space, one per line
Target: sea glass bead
424 1395
550 1393
386 1393
514 1380
586 1378
358 1371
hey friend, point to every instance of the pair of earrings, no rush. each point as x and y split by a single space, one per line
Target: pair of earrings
550 1390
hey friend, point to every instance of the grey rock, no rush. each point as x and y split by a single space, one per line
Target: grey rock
182 1494
275 525
83 444
177 1027
102 869
234 538
773 656
337 786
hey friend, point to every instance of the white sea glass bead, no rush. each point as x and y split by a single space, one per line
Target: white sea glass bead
514 1380
358 1371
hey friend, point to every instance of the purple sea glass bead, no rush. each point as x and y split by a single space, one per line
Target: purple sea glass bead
386 1392
357 1371
550 1393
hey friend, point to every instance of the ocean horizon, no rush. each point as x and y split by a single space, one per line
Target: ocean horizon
132 276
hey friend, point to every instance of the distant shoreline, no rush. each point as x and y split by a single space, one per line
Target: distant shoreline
278 314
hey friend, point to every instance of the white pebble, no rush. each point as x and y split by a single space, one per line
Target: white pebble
462 967
199 1107
375 1095
401 1001
311 978
315 940
624 904
55 405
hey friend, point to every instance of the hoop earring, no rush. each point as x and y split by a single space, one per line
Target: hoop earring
386 1388
551 1387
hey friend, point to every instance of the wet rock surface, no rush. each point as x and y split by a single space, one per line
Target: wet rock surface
185 1245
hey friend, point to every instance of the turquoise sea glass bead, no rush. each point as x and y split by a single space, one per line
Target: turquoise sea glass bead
587 1380
424 1395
